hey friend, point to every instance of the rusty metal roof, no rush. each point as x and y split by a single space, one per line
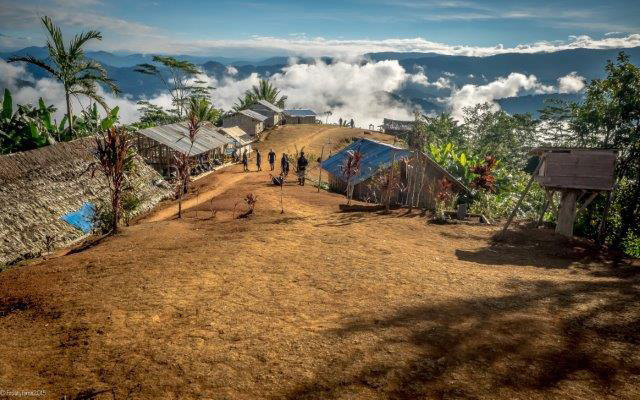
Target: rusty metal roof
176 136
253 115
270 106
238 135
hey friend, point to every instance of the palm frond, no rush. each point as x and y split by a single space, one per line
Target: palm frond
35 61
75 46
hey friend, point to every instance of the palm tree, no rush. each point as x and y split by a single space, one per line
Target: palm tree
68 65
265 91
244 102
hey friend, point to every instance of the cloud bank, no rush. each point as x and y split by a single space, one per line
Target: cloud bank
348 89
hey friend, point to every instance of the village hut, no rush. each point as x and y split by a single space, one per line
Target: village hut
299 116
397 128
419 175
48 195
159 145
249 121
241 140
272 112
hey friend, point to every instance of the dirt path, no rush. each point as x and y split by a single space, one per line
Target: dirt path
171 211
318 304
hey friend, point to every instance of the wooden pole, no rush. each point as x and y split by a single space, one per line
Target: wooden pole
542 212
567 212
587 202
320 168
524 193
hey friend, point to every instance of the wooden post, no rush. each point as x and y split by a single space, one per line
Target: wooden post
524 193
542 212
567 212
320 168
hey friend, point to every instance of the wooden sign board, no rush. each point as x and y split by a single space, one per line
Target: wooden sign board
578 169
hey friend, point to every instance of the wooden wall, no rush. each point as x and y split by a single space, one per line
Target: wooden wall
419 177
589 170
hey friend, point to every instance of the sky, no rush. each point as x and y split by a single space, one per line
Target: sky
255 28
344 30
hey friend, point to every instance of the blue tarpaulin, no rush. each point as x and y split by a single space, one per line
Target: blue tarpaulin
375 155
81 219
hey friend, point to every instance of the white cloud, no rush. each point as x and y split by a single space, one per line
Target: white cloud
614 33
231 70
348 90
52 92
571 83
336 47
470 95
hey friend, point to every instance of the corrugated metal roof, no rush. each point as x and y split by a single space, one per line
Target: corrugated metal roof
176 136
300 113
238 134
270 106
375 155
253 115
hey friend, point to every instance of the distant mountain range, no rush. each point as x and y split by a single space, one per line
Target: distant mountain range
459 70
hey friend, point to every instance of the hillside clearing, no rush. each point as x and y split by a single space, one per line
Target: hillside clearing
315 303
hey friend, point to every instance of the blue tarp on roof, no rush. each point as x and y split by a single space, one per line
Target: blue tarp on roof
375 155
81 219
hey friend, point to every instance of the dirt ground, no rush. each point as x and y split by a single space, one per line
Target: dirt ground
319 304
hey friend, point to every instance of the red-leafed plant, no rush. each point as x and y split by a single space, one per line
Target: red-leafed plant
484 174
251 201
350 168
114 157
444 197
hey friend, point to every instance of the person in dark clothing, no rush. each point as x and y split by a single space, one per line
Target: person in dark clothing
259 160
272 159
352 124
245 161
284 165
302 168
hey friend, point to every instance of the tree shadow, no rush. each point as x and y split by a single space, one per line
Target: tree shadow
542 337
543 248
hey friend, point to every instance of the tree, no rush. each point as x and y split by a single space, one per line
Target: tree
199 111
114 154
153 115
178 77
264 90
68 65
609 117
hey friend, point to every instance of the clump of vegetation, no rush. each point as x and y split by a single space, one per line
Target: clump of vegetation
445 198
250 200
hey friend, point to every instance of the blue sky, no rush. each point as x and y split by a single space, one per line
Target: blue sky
227 27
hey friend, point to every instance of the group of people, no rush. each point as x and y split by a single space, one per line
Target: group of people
301 164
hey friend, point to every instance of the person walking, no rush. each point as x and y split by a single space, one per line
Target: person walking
302 168
272 159
259 160
245 161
